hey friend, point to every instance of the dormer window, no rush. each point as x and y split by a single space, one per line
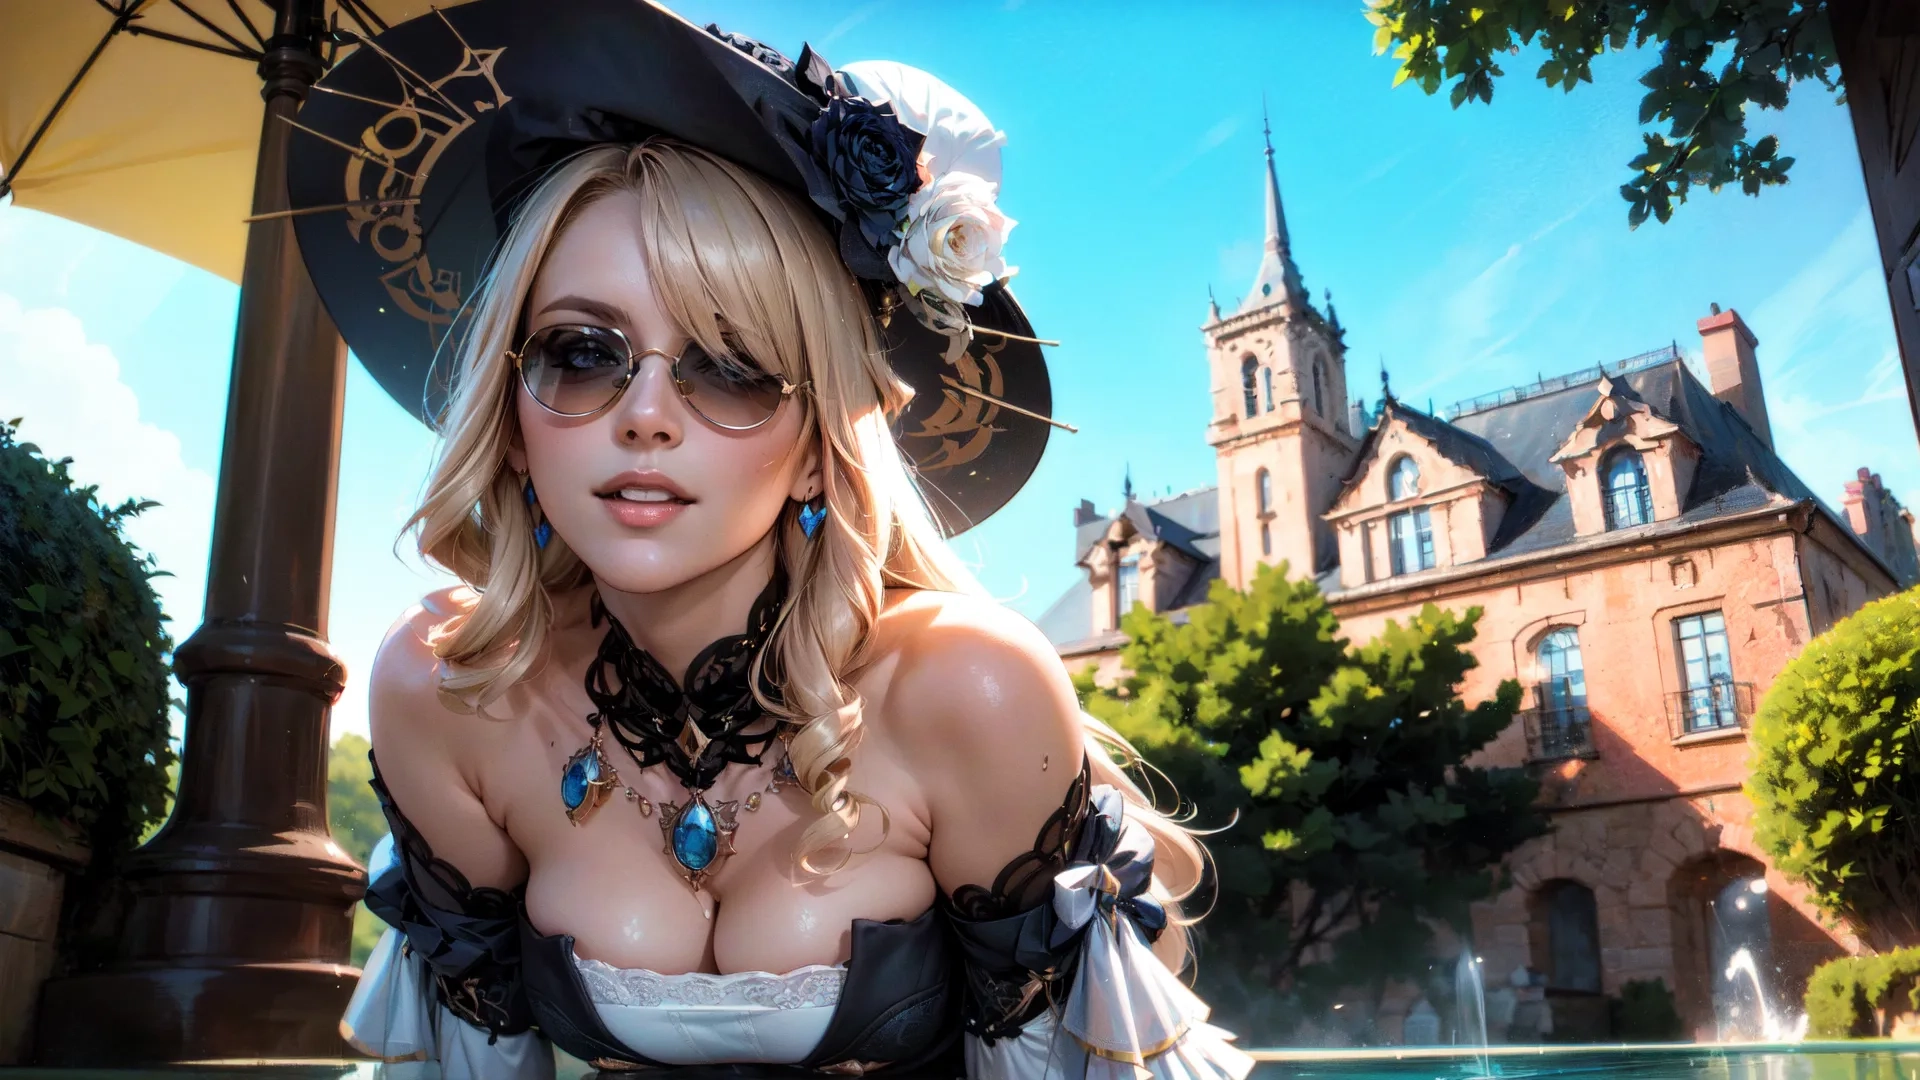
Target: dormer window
1628 501
1249 386
1126 585
1403 480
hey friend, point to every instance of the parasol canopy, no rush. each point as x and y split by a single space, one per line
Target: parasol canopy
141 118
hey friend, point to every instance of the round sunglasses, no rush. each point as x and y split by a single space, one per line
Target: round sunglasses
579 370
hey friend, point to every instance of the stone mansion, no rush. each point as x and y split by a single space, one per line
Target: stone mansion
1646 564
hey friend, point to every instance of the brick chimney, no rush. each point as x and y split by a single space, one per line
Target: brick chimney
1732 372
1084 513
1882 524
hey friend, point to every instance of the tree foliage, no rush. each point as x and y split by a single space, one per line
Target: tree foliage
85 676
353 815
1356 824
1836 773
1717 57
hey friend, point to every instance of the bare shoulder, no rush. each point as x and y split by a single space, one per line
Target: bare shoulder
423 746
405 706
976 688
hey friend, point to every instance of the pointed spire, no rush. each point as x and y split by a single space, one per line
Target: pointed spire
1333 317
1126 486
1213 306
1386 384
1279 278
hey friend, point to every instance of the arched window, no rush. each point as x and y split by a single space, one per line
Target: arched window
1560 726
1248 386
1266 379
1403 480
1563 678
1319 390
1564 914
1266 539
1627 499
1263 492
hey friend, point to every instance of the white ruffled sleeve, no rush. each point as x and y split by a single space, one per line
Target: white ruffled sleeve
395 1017
1126 1016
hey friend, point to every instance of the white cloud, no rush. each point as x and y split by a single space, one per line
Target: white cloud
67 392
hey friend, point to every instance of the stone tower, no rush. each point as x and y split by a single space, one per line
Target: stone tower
1280 428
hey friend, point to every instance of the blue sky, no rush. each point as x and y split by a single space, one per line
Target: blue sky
1471 249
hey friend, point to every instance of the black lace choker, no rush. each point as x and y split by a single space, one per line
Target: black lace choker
696 727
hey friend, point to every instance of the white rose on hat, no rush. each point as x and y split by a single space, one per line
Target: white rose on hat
952 239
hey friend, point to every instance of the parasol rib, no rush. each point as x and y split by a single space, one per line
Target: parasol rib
302 211
349 148
212 28
984 396
1011 337
351 96
141 31
120 21
420 81
358 11
234 6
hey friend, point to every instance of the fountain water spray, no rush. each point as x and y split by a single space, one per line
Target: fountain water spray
1772 1028
1470 1005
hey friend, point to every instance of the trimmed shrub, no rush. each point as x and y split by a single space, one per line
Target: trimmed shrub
1836 772
84 672
1645 1012
1844 995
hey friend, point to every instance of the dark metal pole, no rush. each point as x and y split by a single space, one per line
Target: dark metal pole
240 923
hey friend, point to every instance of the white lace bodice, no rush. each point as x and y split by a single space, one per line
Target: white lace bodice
698 1018
808 987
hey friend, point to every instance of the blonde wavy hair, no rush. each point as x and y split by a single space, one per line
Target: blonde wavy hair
729 251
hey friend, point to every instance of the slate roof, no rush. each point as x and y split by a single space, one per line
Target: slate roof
1190 521
1512 443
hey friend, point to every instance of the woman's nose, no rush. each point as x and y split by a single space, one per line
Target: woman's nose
649 411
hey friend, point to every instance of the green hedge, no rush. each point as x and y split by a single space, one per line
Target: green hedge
84 672
1645 1012
1843 994
1836 771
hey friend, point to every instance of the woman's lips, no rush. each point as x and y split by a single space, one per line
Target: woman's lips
643 515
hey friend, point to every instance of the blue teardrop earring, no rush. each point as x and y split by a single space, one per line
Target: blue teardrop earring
542 531
812 517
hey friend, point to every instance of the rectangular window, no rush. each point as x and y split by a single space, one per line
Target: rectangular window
1127 585
1706 669
1410 540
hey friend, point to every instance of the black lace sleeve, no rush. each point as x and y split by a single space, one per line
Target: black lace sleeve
469 937
1016 956
1028 880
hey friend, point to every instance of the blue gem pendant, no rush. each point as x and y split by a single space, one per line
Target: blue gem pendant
698 834
587 780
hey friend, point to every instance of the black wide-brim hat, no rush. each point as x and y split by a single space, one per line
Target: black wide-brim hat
412 151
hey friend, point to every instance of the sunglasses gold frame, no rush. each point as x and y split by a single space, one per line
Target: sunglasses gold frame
787 389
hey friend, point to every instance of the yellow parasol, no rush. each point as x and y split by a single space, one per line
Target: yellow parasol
142 117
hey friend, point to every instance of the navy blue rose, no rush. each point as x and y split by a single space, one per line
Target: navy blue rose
874 161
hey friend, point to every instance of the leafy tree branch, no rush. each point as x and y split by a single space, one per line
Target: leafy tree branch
1716 59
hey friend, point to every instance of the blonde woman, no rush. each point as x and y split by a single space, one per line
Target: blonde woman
719 756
